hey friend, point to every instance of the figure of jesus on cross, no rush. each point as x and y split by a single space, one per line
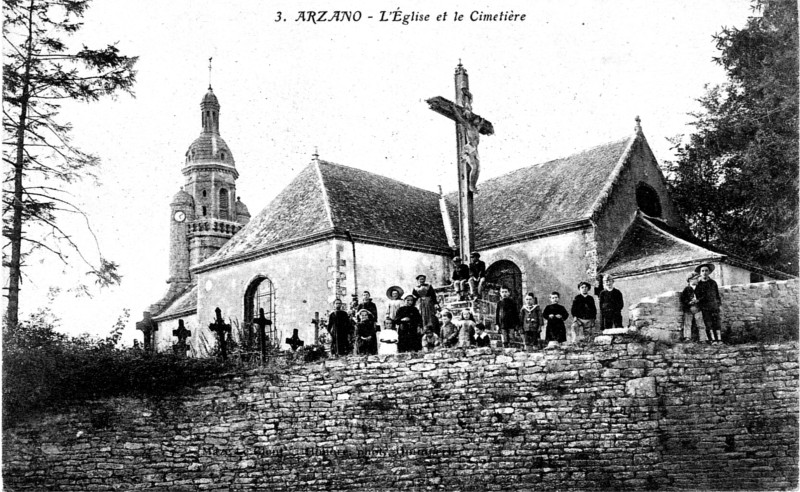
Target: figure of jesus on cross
469 127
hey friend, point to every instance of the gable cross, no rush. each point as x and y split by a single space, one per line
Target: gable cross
469 128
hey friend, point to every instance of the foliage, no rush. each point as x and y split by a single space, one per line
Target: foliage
312 353
40 72
43 368
736 178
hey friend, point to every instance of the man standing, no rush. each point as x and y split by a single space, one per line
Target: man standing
341 328
477 275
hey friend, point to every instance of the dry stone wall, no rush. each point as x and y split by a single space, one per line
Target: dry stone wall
749 311
612 415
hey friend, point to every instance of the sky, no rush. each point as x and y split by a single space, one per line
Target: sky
572 75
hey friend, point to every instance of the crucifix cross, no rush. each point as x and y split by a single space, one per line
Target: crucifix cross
148 327
220 328
469 128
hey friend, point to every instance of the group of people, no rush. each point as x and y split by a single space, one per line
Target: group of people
700 301
402 329
416 322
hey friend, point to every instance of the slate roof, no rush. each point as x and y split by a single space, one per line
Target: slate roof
545 195
381 208
649 245
184 304
209 146
328 199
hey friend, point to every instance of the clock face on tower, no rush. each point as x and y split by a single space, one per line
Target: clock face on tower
180 216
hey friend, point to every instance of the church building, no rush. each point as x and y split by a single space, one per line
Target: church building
544 227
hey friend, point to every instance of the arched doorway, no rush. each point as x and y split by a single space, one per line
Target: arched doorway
504 273
259 294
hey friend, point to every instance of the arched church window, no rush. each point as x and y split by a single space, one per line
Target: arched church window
204 193
204 211
647 200
224 206
260 294
222 155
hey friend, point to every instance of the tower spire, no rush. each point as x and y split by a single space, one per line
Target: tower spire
209 71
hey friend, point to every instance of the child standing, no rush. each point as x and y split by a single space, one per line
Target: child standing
692 316
531 315
466 330
506 316
707 292
611 304
449 330
388 338
583 312
555 315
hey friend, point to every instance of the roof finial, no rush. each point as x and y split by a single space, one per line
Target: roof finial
209 72
638 127
315 155
440 191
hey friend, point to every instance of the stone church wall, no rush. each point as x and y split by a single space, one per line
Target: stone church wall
550 263
381 267
301 279
620 210
614 415
751 310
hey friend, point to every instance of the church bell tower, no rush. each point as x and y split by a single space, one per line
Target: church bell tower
210 179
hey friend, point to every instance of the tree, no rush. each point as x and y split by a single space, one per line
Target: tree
40 72
736 179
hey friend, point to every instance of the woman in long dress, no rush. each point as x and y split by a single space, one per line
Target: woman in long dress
426 296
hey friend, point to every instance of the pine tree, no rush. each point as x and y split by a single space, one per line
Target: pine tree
40 71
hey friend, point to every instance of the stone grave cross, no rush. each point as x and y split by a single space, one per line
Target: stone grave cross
262 322
182 333
295 341
221 329
148 327
469 127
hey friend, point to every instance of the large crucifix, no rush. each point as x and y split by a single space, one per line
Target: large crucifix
469 127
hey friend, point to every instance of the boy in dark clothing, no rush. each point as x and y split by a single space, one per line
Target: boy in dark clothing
477 275
460 277
481 337
707 293
507 316
611 304
583 313
530 315
555 315
366 303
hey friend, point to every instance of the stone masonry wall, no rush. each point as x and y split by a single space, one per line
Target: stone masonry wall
750 310
612 415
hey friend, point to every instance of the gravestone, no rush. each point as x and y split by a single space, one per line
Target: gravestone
182 333
148 327
295 341
221 329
